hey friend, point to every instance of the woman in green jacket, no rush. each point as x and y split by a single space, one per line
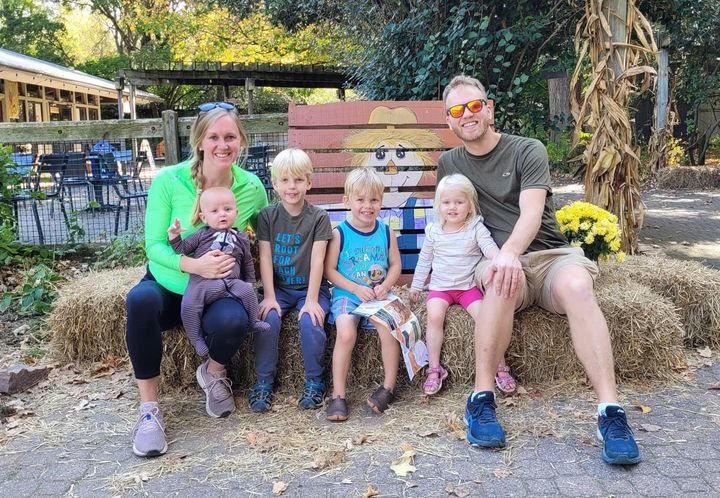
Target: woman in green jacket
218 140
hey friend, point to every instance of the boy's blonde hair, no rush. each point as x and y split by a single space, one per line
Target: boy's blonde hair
364 181
291 163
459 183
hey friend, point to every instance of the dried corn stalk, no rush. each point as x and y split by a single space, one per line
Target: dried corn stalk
618 47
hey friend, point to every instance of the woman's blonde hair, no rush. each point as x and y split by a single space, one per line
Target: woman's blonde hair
197 132
292 163
364 181
458 183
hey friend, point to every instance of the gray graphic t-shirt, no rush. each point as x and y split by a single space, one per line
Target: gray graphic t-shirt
291 239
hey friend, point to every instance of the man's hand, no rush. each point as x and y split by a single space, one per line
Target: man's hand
175 230
269 304
365 293
505 274
313 308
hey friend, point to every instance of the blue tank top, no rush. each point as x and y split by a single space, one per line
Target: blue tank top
363 257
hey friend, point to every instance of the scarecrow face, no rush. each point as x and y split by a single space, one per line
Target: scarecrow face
398 167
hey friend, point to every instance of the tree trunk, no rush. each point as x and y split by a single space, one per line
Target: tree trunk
559 105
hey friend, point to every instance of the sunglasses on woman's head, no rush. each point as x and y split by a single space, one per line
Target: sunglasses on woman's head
209 106
473 106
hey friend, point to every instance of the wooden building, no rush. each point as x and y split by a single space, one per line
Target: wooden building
33 90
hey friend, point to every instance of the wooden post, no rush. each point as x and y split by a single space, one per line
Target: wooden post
172 139
249 90
617 18
133 107
661 102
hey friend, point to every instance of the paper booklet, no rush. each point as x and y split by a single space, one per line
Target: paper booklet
404 326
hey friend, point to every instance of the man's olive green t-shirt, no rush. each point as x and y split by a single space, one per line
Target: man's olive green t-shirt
515 164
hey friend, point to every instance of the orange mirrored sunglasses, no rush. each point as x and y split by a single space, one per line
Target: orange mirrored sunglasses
473 106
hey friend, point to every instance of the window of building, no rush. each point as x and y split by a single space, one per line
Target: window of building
51 94
65 96
82 113
31 91
80 98
93 99
93 114
34 111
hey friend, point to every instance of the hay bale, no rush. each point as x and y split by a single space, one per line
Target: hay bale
89 325
644 328
691 286
88 318
696 177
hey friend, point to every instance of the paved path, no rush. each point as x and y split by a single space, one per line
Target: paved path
74 439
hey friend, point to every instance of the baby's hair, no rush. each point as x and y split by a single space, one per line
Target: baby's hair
213 191
461 184
292 163
364 181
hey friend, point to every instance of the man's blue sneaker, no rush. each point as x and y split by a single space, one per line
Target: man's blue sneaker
261 397
620 447
483 428
312 395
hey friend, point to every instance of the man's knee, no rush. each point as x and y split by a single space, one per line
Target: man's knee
573 288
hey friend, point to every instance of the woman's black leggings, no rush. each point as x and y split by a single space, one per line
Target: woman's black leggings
152 309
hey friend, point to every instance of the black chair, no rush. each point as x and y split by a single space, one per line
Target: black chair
258 163
76 175
111 177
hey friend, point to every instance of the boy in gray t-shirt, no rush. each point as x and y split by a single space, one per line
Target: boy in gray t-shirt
293 237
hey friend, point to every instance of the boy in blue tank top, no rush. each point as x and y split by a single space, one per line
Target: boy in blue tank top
362 263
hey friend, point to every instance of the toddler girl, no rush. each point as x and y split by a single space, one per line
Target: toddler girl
453 247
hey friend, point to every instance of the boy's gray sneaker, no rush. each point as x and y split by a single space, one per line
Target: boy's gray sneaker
149 432
219 400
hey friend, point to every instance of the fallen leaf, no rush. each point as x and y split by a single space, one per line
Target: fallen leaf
404 465
337 458
521 390
407 447
82 405
370 492
411 484
12 424
715 386
508 402
279 487
641 407
29 360
704 352
650 427
360 440
535 393
428 433
258 438
456 491
346 481
502 473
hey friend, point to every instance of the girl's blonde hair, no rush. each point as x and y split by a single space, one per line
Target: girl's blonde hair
197 132
364 181
459 183
291 163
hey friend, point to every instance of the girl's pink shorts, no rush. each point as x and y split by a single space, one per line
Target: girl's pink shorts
462 297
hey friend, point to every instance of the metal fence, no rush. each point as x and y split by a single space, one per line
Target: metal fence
101 193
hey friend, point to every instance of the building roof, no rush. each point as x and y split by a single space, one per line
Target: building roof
10 60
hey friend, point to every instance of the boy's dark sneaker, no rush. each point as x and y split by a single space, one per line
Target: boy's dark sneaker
312 395
620 447
261 397
483 428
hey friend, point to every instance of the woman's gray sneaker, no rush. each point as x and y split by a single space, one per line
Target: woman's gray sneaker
149 432
219 400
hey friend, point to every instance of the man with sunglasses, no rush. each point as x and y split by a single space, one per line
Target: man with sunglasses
535 265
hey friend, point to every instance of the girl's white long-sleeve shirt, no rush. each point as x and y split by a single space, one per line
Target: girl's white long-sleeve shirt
452 256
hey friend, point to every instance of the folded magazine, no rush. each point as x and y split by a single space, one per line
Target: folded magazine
404 326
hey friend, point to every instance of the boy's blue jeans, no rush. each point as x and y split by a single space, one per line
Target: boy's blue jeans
313 338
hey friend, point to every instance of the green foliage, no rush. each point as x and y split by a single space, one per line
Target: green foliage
36 293
105 67
122 252
30 28
9 182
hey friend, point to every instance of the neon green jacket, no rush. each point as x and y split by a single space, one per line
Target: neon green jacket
172 195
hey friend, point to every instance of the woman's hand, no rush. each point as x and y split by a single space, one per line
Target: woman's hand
269 304
213 264
313 308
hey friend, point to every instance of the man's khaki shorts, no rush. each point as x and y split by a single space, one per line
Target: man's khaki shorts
540 267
